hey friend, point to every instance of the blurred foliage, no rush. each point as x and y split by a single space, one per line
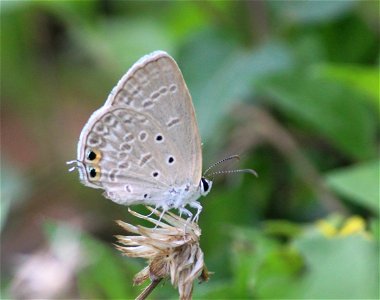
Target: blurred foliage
293 86
359 183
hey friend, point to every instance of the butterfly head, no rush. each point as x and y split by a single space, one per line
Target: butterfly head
205 186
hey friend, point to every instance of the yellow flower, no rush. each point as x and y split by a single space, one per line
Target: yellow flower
352 225
172 250
326 228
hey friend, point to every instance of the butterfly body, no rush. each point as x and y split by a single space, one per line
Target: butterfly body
143 145
173 197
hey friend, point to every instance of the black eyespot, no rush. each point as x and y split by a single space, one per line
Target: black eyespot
145 196
92 172
91 155
205 184
171 159
155 174
159 138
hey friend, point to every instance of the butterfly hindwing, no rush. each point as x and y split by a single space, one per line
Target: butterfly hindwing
125 153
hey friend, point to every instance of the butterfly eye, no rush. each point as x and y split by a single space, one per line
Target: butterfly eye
205 186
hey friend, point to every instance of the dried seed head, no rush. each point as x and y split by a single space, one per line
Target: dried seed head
171 248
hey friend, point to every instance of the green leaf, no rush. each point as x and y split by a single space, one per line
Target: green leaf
339 268
231 80
312 11
260 263
249 252
328 108
281 227
109 276
359 183
375 228
12 6
361 78
279 269
117 44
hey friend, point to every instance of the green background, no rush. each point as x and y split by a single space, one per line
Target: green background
291 86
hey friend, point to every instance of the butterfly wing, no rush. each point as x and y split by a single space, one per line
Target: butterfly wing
155 86
145 139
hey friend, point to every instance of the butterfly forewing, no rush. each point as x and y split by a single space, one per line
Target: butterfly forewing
145 138
155 85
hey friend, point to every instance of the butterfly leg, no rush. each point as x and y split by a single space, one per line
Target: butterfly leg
159 219
153 211
185 211
199 208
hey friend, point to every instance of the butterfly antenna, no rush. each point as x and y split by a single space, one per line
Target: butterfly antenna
249 171
219 162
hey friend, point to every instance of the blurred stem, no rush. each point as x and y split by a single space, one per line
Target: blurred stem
146 292
260 126
259 20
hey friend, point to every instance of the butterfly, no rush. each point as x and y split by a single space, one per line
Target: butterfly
143 145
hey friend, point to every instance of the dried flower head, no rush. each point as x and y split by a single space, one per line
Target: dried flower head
171 248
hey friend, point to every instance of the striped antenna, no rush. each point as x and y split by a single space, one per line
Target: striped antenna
221 161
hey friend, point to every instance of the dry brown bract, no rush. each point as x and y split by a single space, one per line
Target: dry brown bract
171 248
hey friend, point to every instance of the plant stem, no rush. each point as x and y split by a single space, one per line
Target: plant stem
145 293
